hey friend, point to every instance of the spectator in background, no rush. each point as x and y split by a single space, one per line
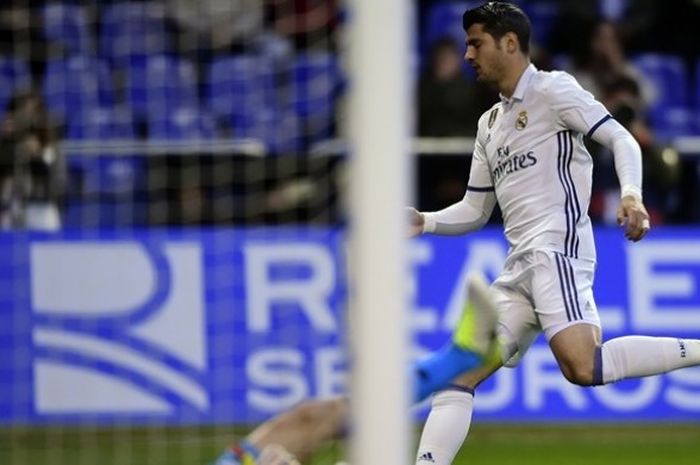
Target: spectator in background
449 103
217 25
21 36
307 24
32 170
602 60
622 97
634 18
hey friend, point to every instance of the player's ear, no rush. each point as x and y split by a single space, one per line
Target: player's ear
512 44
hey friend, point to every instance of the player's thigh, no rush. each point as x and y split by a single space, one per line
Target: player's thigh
518 325
562 291
574 347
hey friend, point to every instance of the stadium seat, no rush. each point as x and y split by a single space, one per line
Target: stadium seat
68 26
14 76
133 29
103 123
670 114
314 82
543 15
77 85
281 132
186 123
696 93
668 74
155 85
241 88
445 20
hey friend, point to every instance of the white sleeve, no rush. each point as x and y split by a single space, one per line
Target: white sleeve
627 154
474 210
575 107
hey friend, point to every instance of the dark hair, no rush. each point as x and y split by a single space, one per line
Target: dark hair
621 83
498 19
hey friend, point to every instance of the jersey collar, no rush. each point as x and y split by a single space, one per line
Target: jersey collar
522 85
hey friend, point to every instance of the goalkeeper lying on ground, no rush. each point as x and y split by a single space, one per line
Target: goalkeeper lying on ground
301 430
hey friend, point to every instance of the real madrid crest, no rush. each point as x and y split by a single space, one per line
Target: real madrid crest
521 122
492 117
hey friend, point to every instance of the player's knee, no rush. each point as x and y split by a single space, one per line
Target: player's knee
577 374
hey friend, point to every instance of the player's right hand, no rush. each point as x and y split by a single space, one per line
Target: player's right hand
415 221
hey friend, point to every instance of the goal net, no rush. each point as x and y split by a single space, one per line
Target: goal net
173 218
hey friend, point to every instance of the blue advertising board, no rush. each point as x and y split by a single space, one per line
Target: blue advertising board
234 325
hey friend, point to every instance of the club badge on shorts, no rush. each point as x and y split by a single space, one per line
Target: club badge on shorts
521 122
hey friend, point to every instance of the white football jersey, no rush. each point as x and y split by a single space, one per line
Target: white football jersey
529 150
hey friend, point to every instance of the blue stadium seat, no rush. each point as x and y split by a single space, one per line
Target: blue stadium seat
156 85
68 25
670 114
101 124
14 76
668 74
186 123
696 92
445 20
133 29
240 89
76 85
543 15
280 131
314 83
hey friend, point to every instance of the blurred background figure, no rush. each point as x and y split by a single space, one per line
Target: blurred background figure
622 96
217 25
21 36
601 59
307 24
32 170
449 102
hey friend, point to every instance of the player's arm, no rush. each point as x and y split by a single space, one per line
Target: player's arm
578 110
469 214
628 166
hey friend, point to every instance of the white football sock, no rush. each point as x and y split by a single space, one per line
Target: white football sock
637 356
446 427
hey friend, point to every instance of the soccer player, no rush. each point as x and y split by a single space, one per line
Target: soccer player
300 431
529 157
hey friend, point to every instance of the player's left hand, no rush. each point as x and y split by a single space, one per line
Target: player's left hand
633 215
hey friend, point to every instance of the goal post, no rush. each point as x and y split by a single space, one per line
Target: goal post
380 153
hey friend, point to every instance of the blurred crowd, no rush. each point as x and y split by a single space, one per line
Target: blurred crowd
623 52
272 70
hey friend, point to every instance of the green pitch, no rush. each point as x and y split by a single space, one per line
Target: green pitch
487 445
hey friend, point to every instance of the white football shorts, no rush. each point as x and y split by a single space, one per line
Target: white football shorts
542 291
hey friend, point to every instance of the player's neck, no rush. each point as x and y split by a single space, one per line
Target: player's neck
510 81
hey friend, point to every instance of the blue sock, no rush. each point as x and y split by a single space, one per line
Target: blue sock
439 369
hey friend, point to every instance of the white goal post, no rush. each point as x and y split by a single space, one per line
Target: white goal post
380 148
